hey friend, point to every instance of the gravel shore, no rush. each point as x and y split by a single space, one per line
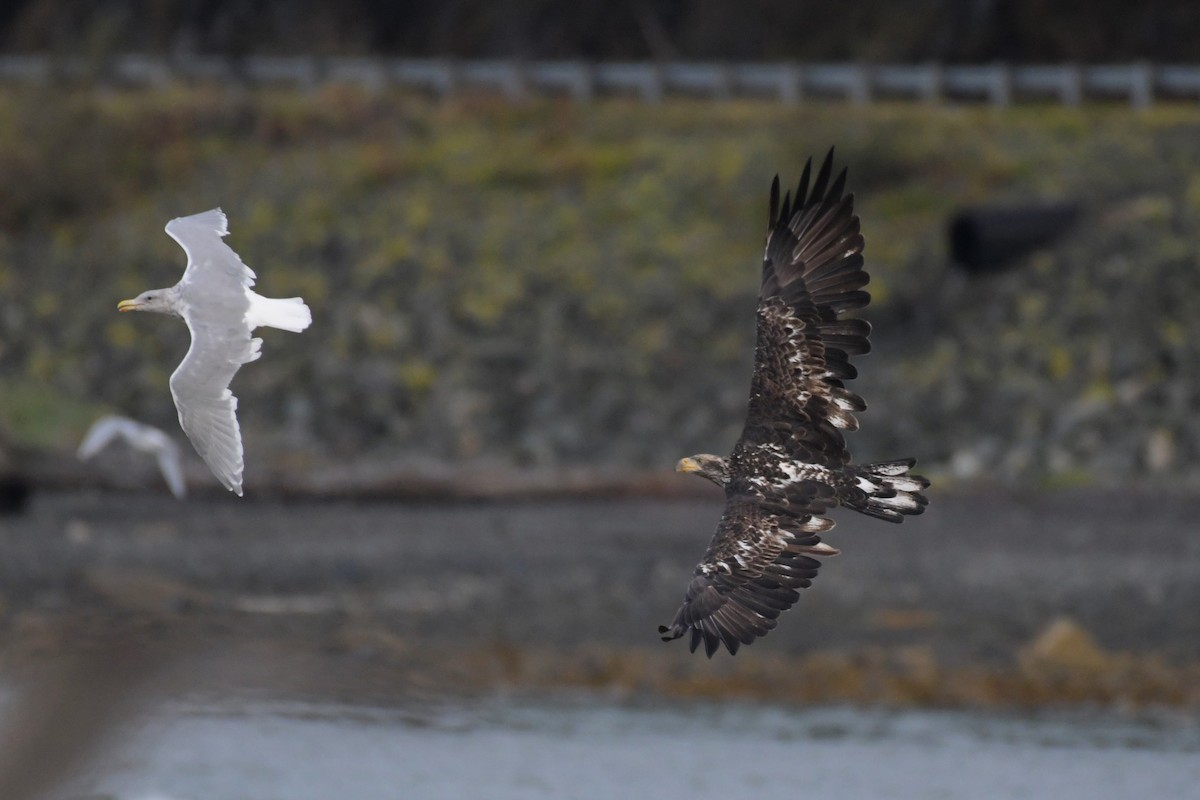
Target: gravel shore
990 597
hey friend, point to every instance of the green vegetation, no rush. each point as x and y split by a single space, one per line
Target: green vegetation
559 284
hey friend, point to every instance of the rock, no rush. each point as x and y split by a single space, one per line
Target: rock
1064 645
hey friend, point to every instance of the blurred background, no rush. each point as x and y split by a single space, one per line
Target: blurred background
530 235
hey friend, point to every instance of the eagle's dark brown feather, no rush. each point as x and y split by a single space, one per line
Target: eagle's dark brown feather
791 464
749 576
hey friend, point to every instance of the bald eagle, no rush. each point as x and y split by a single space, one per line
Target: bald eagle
791 465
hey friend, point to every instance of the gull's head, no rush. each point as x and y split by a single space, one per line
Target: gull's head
706 465
159 300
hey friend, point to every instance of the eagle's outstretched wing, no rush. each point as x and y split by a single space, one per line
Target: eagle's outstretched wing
812 273
749 575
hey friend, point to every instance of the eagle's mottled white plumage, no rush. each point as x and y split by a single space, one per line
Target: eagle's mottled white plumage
791 465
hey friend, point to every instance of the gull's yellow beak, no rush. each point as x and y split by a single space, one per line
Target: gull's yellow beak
127 305
687 465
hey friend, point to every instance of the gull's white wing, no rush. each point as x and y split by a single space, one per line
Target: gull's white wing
171 467
103 431
200 237
138 435
141 437
213 301
200 386
151 440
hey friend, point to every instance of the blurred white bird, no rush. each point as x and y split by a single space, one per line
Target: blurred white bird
144 439
214 298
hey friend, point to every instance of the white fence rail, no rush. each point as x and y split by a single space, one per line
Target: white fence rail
1139 84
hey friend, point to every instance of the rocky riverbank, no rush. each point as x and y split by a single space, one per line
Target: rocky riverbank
990 599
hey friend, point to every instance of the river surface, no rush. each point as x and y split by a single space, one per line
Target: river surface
429 644
596 748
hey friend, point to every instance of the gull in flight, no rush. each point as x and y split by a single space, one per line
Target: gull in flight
144 439
214 298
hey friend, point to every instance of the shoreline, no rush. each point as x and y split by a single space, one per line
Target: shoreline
990 600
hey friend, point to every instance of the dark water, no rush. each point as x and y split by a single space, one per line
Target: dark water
595 749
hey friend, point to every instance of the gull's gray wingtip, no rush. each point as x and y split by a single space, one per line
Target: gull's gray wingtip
223 227
214 220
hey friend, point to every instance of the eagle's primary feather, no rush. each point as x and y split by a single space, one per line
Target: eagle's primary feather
791 464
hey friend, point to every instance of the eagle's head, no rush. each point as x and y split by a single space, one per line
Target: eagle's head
715 468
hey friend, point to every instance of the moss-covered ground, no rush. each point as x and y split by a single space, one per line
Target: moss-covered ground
558 284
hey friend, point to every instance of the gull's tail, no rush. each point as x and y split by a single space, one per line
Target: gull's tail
289 314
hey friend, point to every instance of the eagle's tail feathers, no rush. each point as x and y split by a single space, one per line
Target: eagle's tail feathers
885 490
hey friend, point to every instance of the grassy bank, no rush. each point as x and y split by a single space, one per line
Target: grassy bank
557 284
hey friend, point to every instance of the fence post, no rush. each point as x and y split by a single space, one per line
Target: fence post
1000 86
514 82
1071 91
791 84
583 87
653 82
142 70
723 82
931 87
859 90
450 79
1141 89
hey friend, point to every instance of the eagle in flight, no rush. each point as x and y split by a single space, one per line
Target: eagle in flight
791 465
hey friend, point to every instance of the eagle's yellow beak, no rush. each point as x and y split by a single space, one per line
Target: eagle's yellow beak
127 305
687 465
